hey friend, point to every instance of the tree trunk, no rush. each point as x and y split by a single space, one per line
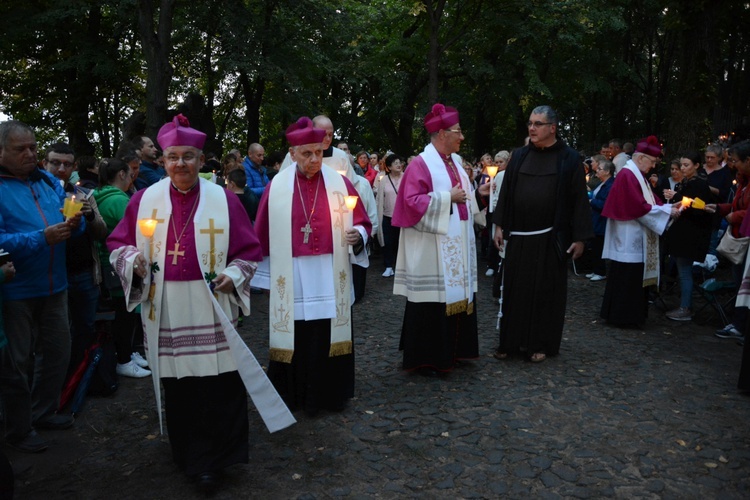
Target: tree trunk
157 45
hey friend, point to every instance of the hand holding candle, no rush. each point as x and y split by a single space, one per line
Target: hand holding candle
147 228
71 207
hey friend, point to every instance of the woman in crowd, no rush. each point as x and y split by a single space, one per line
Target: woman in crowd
719 176
593 181
493 256
665 188
734 214
115 179
605 173
369 173
720 180
688 237
387 189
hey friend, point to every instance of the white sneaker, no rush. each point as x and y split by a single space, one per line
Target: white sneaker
598 277
489 272
388 272
132 370
590 275
139 360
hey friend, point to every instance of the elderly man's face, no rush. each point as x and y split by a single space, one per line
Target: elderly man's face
18 154
183 164
60 165
309 158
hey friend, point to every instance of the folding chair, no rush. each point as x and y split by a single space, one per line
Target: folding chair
719 296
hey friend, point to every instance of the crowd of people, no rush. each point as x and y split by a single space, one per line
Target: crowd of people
175 242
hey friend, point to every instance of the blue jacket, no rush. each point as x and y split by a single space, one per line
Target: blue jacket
150 173
597 205
26 209
256 180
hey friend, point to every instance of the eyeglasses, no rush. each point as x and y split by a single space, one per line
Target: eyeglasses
537 124
186 158
59 163
651 159
457 131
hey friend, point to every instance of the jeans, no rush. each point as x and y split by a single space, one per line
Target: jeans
34 361
83 299
685 272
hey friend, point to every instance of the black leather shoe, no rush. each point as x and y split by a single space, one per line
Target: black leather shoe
208 482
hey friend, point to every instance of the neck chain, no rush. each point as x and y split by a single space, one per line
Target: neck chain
176 253
450 164
306 228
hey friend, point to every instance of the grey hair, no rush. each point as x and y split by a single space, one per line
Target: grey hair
546 111
7 128
504 155
608 166
715 149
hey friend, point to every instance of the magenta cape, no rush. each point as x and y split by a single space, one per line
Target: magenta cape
625 200
414 195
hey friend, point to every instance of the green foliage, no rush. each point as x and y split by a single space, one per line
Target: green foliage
612 68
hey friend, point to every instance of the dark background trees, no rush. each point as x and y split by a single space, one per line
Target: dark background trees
80 70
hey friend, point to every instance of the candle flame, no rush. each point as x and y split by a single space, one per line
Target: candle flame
492 171
147 227
351 202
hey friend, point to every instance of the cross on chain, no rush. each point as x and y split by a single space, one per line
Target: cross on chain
175 253
307 230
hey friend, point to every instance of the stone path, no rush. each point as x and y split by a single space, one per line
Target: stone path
619 413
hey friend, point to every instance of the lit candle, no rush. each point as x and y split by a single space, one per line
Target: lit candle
351 204
147 228
685 202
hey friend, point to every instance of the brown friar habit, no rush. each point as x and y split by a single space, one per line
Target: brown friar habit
543 188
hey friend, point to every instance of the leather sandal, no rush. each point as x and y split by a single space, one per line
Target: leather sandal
538 357
500 355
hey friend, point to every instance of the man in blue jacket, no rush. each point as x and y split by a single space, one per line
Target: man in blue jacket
257 179
150 172
35 308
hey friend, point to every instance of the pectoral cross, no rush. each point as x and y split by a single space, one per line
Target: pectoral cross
307 230
175 253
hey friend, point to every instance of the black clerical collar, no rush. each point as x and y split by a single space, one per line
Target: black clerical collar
328 152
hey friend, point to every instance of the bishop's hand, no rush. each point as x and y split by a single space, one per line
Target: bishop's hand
223 283
140 266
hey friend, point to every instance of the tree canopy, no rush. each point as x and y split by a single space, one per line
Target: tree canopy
95 72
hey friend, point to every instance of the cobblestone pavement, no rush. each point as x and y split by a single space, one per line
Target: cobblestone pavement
619 413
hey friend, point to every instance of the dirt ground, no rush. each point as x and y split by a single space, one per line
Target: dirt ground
600 420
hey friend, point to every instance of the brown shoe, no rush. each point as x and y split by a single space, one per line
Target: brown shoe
538 357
